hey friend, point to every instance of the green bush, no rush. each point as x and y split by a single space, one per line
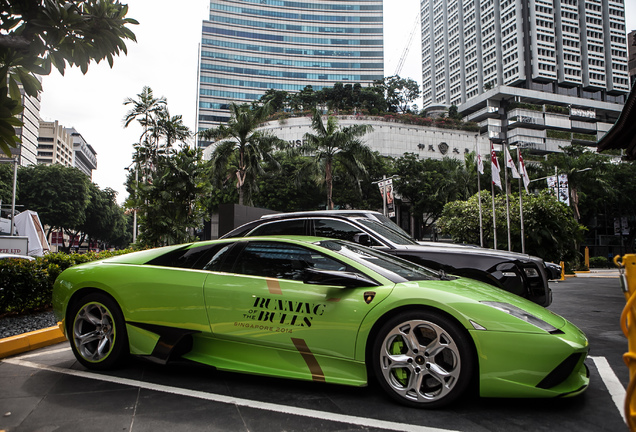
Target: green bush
26 286
599 262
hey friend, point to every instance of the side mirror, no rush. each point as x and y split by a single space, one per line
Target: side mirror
363 239
314 276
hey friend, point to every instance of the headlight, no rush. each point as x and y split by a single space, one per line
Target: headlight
531 272
522 315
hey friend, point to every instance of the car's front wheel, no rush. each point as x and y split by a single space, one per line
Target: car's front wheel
97 332
423 359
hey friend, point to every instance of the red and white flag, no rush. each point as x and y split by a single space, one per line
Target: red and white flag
510 163
480 164
496 177
524 173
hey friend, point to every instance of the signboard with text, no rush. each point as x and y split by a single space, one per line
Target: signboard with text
14 245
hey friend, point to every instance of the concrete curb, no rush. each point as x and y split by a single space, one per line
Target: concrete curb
29 341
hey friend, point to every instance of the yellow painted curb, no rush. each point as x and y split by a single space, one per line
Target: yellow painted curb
30 341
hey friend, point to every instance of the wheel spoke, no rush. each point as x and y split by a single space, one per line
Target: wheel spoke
87 315
411 339
102 348
87 337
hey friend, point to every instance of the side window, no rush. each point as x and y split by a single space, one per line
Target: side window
282 261
186 257
333 228
289 227
218 259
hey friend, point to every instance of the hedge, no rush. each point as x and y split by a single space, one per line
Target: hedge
26 286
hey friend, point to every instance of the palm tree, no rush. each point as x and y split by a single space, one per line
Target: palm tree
331 143
240 149
170 127
144 109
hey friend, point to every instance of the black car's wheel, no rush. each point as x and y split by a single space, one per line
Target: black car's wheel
423 359
98 332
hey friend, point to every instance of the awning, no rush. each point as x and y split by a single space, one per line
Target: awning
623 134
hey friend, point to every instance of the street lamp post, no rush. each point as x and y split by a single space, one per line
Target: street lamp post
135 208
15 183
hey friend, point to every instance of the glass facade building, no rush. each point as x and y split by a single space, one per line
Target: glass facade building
251 46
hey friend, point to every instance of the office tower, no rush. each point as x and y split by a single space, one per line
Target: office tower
84 155
55 144
631 49
529 71
26 151
251 46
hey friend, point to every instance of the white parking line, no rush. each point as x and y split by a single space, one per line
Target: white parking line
609 378
321 415
614 386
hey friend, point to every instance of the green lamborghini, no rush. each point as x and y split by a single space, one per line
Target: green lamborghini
319 309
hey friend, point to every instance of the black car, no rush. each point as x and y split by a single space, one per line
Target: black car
521 274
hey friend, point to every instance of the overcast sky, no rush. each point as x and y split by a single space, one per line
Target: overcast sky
165 58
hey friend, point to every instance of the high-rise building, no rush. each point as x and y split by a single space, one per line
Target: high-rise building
528 71
55 144
26 152
251 46
84 155
631 50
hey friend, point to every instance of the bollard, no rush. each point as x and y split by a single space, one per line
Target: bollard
562 271
627 269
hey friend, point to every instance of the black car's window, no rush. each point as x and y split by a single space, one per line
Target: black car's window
187 257
334 228
282 261
386 231
289 227
393 268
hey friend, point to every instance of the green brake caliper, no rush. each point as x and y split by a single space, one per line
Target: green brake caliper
400 374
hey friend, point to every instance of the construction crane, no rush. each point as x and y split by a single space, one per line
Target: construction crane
400 65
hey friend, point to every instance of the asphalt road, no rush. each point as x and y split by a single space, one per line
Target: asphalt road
47 390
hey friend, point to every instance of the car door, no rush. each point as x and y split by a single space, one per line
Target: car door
264 301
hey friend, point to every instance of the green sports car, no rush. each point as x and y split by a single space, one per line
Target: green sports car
319 309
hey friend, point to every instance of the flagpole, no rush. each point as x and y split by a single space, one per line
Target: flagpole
523 239
480 169
496 179
494 219
526 181
506 152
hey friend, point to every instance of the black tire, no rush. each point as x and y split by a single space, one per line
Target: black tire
97 332
408 370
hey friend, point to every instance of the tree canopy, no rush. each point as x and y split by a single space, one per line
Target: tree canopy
241 150
550 231
331 143
37 35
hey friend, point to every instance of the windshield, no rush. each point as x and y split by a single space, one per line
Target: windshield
389 266
388 230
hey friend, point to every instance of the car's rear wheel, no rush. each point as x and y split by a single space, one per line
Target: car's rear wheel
423 359
98 332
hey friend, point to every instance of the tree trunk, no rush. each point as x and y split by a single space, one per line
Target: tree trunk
329 181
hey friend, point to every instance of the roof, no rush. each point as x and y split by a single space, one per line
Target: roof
321 213
623 134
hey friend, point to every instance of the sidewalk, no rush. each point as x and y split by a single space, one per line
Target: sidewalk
598 273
